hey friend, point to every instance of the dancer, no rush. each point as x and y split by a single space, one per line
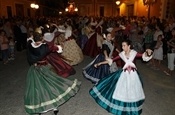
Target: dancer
45 90
92 48
95 74
56 60
72 51
121 92
85 32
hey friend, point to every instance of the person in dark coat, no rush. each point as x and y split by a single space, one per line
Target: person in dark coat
18 36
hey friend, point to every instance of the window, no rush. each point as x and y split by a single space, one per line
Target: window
28 12
9 11
101 11
19 10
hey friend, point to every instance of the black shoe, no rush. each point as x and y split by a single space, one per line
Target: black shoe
55 112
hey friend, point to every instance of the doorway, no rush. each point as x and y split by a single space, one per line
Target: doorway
130 10
9 11
102 11
28 12
19 10
117 11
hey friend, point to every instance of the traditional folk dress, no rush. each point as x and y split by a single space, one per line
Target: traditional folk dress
45 90
95 74
93 47
55 59
84 36
71 50
121 93
99 31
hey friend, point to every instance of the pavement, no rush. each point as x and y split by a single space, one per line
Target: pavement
158 87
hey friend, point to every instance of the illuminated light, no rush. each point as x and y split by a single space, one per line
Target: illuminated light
32 5
47 25
60 12
36 6
66 9
149 2
76 9
71 6
117 2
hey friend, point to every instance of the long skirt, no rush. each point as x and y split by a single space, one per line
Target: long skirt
60 66
45 90
91 49
120 93
95 74
72 52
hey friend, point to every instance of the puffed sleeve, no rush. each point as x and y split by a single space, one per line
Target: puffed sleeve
116 58
36 54
55 48
60 49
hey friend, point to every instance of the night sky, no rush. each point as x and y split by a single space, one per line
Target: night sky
56 4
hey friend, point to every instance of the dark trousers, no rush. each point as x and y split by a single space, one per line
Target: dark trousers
24 40
5 54
19 45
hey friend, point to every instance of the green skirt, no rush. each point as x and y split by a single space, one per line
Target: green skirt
45 90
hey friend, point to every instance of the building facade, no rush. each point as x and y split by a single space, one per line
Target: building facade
22 8
108 8
10 8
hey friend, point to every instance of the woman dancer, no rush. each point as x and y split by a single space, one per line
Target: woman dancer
72 51
45 90
121 92
95 74
92 47
56 60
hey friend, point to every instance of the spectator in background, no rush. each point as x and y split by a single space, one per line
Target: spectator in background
148 37
24 35
157 32
4 43
7 27
1 25
171 54
11 49
158 53
18 35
